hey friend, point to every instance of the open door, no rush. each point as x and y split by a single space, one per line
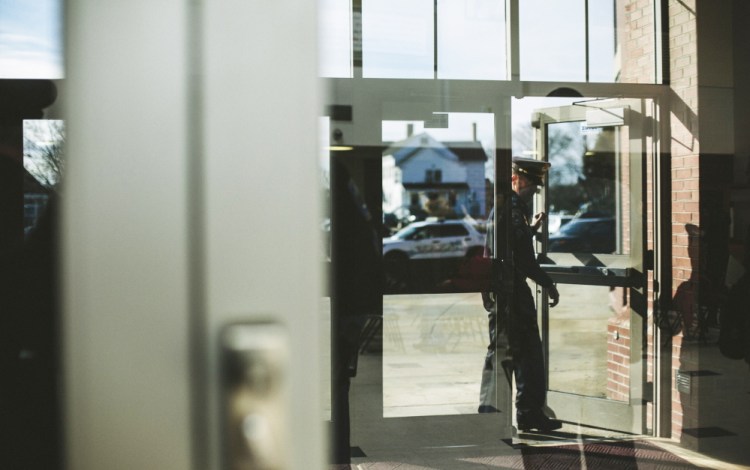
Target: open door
595 249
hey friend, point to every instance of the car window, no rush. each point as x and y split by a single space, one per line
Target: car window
407 233
574 228
421 233
451 230
601 228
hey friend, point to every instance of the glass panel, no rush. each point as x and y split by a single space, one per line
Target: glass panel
44 161
324 305
471 39
433 350
436 198
552 40
522 111
398 39
588 213
602 65
589 342
324 311
335 38
31 43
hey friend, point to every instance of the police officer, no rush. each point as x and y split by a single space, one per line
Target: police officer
526 345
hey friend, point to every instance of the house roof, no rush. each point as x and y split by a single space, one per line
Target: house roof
462 151
468 151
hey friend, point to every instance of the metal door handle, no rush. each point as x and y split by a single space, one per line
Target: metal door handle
254 361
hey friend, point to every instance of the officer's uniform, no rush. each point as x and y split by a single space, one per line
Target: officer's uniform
526 345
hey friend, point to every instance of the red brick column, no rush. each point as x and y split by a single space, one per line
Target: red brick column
635 26
685 196
618 358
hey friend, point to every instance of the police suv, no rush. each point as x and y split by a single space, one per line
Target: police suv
434 240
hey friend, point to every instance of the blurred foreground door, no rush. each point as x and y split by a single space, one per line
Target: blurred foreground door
190 208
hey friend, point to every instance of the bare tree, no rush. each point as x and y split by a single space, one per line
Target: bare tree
566 149
44 151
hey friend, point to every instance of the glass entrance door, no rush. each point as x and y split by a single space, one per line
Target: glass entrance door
595 248
425 171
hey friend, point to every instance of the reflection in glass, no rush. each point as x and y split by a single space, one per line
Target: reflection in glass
522 111
588 354
335 47
43 162
435 201
398 39
585 189
471 39
431 347
552 40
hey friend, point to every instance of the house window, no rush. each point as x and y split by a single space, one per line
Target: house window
433 176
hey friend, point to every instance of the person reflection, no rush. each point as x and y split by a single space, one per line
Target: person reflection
707 377
697 300
31 412
735 315
682 316
356 296
525 343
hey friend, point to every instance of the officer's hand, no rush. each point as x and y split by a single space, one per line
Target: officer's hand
553 295
536 222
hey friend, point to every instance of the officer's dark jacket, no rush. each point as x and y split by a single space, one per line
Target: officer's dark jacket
525 263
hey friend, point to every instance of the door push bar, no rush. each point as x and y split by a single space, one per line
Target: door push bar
595 275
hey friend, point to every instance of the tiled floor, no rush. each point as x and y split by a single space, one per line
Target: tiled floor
428 382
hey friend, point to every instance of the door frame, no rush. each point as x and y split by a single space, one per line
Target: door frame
629 271
373 101
366 97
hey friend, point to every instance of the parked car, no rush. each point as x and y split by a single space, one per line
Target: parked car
434 239
584 235
424 256
557 220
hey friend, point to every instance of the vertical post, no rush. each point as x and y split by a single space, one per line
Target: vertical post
435 36
356 25
663 273
513 40
586 29
661 42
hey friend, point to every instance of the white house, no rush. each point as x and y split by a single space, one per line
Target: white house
437 178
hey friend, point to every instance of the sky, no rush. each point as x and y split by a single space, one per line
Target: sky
397 39
31 39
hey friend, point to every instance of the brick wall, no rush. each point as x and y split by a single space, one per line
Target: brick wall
635 26
636 52
618 358
685 196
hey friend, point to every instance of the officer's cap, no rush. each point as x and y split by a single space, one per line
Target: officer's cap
534 170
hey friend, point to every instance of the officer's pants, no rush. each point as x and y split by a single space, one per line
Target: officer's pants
528 365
